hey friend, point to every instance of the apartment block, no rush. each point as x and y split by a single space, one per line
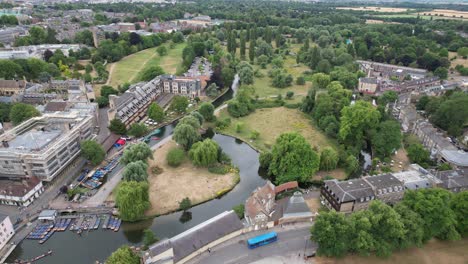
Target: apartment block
43 146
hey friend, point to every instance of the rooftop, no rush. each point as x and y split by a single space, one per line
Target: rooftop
297 206
18 188
350 190
383 181
34 139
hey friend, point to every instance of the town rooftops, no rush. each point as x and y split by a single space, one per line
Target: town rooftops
368 80
453 178
286 186
198 236
56 106
297 207
457 157
413 179
382 181
349 190
18 188
256 203
19 84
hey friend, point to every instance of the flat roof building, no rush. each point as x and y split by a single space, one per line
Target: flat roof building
43 146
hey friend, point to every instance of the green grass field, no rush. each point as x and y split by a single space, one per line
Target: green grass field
129 68
416 15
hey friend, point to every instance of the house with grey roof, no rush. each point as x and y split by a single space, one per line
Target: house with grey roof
387 188
453 180
296 210
186 245
346 196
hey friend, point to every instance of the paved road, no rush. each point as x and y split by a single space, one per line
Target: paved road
291 244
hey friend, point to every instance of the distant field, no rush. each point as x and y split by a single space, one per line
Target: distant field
421 15
374 21
458 60
376 9
434 252
129 68
446 13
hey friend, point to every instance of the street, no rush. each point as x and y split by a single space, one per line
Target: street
291 245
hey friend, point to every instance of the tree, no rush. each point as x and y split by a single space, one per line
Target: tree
386 139
332 233
92 151
190 120
320 80
252 40
246 75
198 116
140 151
356 120
123 255
118 127
185 204
162 50
418 154
178 37
102 101
300 80
132 199
175 157
292 159
352 164
459 205
289 94
185 135
135 171
149 237
179 103
239 210
212 90
138 130
207 110
433 205
156 112
107 90
413 225
328 159
463 51
308 102
204 153
441 72
242 45
227 76
324 66
21 112
151 72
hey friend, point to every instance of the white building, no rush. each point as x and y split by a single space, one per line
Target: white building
43 146
6 230
20 192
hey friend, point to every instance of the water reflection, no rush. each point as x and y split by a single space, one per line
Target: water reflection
185 217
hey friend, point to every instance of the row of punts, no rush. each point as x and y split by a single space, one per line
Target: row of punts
95 177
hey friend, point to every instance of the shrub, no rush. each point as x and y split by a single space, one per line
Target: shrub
254 135
219 169
221 124
185 204
300 80
156 170
289 94
175 157
239 127
239 209
265 159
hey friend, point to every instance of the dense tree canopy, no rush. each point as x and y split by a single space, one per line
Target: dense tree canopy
293 159
136 152
92 151
21 112
186 135
123 255
204 153
156 112
132 199
135 171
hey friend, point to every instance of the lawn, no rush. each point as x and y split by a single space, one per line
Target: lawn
168 188
129 68
434 252
271 122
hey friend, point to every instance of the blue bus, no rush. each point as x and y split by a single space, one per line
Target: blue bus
262 240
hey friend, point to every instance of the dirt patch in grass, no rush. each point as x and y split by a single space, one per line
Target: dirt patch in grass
434 252
339 174
458 61
272 122
400 156
174 184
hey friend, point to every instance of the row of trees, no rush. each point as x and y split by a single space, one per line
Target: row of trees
382 229
132 195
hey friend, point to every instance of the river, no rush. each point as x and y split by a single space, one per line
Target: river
70 248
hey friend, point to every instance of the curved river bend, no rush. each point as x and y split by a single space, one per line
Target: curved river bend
70 248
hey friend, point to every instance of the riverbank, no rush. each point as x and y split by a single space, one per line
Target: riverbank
172 185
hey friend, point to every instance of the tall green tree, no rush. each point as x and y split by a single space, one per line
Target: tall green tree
132 199
179 104
356 120
413 224
253 40
433 205
21 112
140 151
190 120
92 151
332 233
135 171
156 112
242 45
118 127
151 72
386 139
138 130
328 159
204 153
207 111
123 255
185 135
293 159
459 205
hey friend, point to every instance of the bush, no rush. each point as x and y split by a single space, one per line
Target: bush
254 135
185 204
289 94
239 209
219 169
239 127
300 80
265 159
221 124
156 170
175 157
